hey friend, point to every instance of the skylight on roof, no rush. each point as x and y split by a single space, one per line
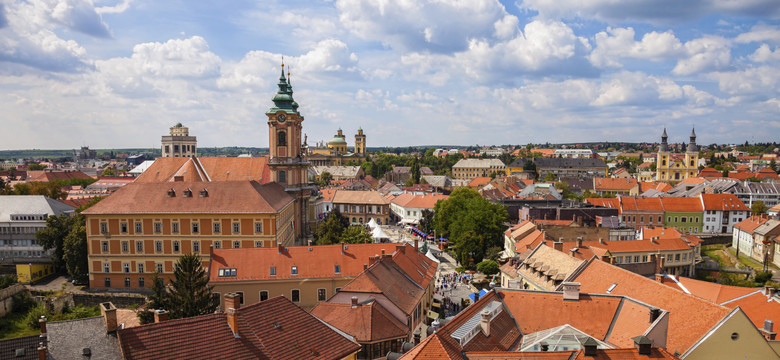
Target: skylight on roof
611 287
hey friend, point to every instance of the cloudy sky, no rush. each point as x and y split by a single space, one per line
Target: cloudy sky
119 73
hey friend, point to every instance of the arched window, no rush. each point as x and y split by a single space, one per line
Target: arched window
281 138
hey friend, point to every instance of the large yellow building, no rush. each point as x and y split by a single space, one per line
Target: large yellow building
335 152
677 167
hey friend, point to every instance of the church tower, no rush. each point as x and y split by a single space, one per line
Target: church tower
692 156
287 160
360 142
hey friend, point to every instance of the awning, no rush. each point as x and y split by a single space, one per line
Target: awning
481 295
436 305
433 315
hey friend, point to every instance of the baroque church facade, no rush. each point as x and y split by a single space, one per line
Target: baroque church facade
677 167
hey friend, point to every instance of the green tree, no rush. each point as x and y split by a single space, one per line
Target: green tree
531 166
325 178
549 177
426 220
53 237
35 166
773 165
472 223
565 191
758 207
108 172
190 293
355 234
415 170
488 267
329 232
74 253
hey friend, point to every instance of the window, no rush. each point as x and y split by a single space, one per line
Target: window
217 227
123 227
668 219
195 227
158 227
321 295
296 295
258 244
218 244
126 267
685 257
138 227
294 270
107 282
337 269
196 246
106 267
240 297
159 267
258 227
683 219
127 282
236 244
236 227
263 295
282 176
227 272
628 259
636 259
104 246
273 270
644 258
176 246
139 246
141 268
141 282
660 219
175 227
642 219
125 246
158 246
103 228
677 257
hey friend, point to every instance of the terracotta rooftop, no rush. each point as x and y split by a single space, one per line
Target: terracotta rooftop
601 354
647 246
317 261
207 169
681 204
690 317
655 185
751 223
479 181
237 197
425 201
358 197
271 329
601 184
366 322
604 202
51 175
723 202
631 203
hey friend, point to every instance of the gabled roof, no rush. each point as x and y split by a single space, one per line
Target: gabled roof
723 202
358 197
479 181
655 185
311 262
682 204
751 223
237 197
271 329
604 202
208 169
689 319
600 184
713 292
51 175
631 203
366 322
67 339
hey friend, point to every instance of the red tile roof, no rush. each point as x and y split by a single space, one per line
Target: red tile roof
751 223
604 202
668 244
716 293
601 354
272 329
51 175
319 262
358 197
208 169
601 184
656 185
237 197
723 202
366 322
709 173
479 181
630 203
682 204
425 201
690 317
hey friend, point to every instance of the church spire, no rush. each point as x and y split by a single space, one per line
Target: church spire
664 146
692 145
283 99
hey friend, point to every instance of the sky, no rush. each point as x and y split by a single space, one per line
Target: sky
120 73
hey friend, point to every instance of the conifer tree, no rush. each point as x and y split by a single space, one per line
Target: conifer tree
190 293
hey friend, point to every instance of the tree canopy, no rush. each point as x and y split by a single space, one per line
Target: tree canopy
190 293
758 207
472 224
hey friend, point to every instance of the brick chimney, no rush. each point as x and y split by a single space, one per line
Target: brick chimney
401 248
579 241
42 353
573 252
659 278
601 241
416 244
589 346
571 291
309 243
108 310
232 304
654 314
643 344
42 323
365 266
160 315
484 323
659 264
476 296
767 331
354 302
558 246
280 248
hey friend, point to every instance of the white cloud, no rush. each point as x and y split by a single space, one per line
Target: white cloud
765 54
754 81
119 8
760 33
506 27
616 43
417 25
330 57
709 53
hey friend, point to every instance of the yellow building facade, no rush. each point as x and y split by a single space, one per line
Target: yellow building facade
32 272
335 152
675 168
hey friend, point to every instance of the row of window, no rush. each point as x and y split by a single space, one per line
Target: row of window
175 245
128 283
175 228
295 295
369 209
20 229
28 217
21 253
644 258
19 242
126 268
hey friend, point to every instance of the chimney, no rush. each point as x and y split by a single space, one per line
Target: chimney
108 310
476 296
767 331
659 264
354 302
654 314
42 323
232 319
643 344
573 252
579 220
579 241
589 346
383 253
42 353
558 245
280 248
232 300
485 322
309 243
659 278
601 241
160 315
365 266
571 291
416 244
417 337
772 292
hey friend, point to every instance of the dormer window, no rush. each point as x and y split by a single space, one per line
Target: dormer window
188 193
204 193
294 270
171 193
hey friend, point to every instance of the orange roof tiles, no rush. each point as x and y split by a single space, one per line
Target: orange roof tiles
553 222
51 175
366 322
656 185
238 197
640 245
631 203
208 169
358 197
425 201
479 181
600 184
682 204
723 202
751 223
319 262
604 202
601 354
327 194
689 319
758 307
709 173
716 293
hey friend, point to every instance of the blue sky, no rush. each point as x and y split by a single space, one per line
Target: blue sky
119 73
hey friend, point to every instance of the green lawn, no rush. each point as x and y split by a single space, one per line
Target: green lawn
13 325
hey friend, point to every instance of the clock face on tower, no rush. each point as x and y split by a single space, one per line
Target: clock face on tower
281 118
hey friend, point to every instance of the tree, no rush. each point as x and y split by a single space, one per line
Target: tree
53 237
488 267
325 178
549 177
531 166
472 223
329 232
758 207
35 166
355 235
108 172
190 293
415 170
426 220
773 165
74 253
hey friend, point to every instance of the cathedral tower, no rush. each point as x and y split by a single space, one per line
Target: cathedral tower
360 142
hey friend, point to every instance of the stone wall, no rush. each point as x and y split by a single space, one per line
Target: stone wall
7 297
119 300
